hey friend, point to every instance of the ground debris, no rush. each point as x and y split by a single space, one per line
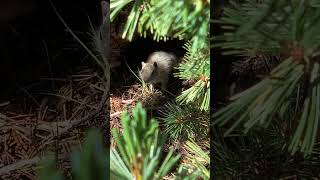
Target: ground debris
56 123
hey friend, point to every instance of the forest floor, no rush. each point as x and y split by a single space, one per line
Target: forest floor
36 123
39 120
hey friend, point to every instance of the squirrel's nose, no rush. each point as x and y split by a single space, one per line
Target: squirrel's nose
145 78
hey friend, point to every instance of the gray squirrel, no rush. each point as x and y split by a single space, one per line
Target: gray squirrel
158 68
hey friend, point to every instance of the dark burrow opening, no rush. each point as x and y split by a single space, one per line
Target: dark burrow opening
137 51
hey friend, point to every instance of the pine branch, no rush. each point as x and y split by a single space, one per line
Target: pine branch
196 66
184 122
140 148
297 39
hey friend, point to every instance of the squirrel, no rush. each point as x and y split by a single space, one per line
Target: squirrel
158 68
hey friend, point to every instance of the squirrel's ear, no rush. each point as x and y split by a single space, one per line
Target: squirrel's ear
142 63
155 64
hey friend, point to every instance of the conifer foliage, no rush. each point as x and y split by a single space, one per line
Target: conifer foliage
279 114
290 92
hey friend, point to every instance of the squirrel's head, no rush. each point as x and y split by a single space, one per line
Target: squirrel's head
148 71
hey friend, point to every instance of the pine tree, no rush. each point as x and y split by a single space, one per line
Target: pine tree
278 117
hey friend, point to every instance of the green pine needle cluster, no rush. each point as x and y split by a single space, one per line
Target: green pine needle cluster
259 154
165 18
197 163
140 148
177 19
132 23
195 66
198 159
184 122
286 27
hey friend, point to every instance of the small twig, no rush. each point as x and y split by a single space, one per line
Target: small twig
48 126
19 164
69 99
25 162
128 101
4 103
49 63
96 87
54 79
115 114
24 90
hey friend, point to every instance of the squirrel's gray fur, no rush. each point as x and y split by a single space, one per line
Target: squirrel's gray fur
158 68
